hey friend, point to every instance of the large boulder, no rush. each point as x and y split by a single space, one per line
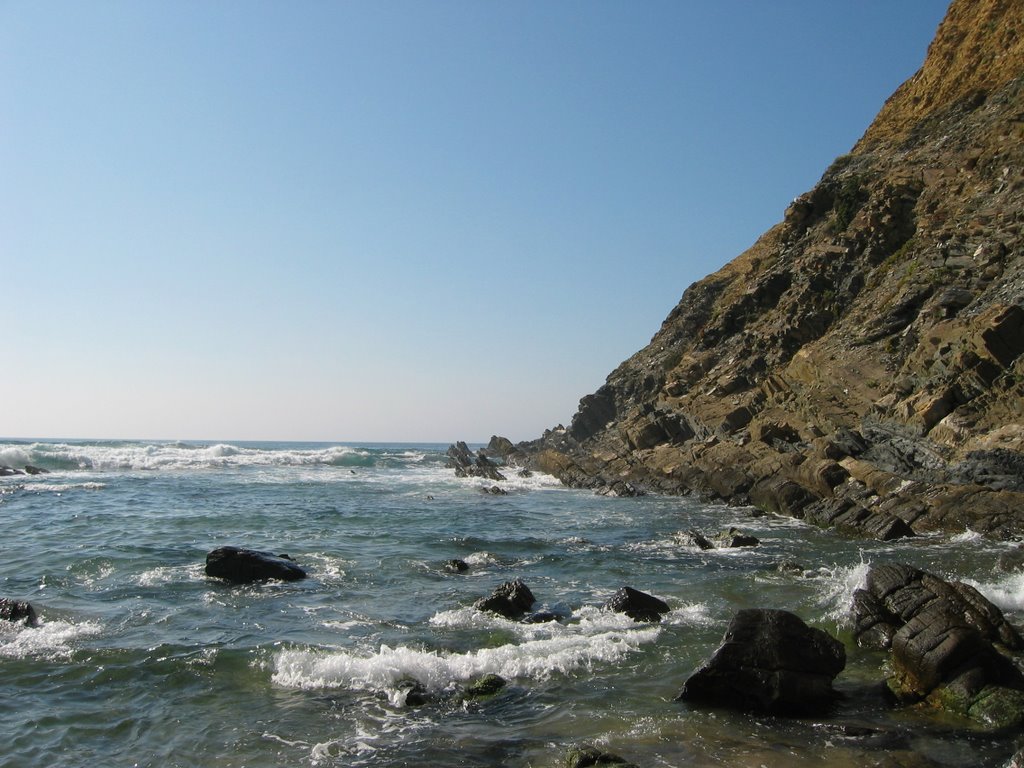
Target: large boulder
950 646
511 600
639 606
244 566
18 612
769 661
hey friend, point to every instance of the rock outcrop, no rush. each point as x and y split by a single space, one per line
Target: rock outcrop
639 606
244 566
950 646
769 661
513 600
466 464
860 366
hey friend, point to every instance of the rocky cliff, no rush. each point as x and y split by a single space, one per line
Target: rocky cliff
860 365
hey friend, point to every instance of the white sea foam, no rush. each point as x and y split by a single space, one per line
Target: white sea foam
1006 592
836 588
50 640
170 574
384 670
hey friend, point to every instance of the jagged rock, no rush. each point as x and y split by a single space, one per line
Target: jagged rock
18 612
456 566
769 661
638 605
33 470
494 490
511 600
585 755
949 644
6 471
466 464
488 685
244 566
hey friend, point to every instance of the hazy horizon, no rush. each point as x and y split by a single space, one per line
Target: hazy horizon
393 222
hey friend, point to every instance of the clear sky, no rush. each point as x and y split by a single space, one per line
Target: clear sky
398 219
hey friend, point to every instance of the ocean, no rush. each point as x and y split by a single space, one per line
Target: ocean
140 659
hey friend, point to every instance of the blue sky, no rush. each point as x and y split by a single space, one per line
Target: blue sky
393 220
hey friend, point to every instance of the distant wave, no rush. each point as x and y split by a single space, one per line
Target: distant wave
121 455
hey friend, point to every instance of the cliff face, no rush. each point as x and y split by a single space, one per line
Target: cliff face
860 365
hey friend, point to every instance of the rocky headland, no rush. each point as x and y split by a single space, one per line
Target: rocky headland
860 366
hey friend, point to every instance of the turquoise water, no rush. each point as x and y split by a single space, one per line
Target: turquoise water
142 660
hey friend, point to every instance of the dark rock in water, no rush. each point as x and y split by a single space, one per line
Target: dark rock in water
734 537
456 566
243 566
585 755
790 568
416 693
769 661
6 471
694 538
19 612
950 646
31 470
494 490
638 605
619 488
511 600
488 685
465 464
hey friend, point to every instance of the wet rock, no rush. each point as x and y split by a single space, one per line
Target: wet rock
415 693
244 566
541 617
638 605
33 470
734 538
18 612
488 685
6 471
769 661
494 490
456 566
513 600
695 539
790 568
585 755
950 646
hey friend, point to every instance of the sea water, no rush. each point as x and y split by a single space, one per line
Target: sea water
140 659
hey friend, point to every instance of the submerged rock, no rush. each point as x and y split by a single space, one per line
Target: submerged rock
33 470
638 605
734 538
585 755
18 612
511 600
244 566
769 661
488 685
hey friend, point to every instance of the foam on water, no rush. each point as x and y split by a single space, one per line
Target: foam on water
384 670
837 586
119 456
1006 592
51 640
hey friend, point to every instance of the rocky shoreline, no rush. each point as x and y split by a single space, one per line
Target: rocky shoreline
860 366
